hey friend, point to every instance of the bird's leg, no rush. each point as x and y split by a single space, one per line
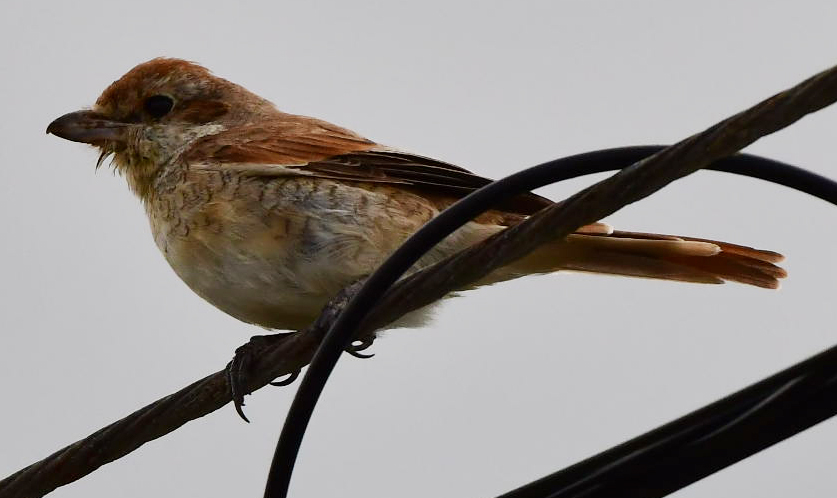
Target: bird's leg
238 367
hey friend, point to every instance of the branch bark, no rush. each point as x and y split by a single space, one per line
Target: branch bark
272 360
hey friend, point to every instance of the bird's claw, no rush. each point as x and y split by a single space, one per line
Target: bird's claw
361 344
238 368
235 372
287 381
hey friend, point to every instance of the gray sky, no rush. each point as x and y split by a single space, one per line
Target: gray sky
95 324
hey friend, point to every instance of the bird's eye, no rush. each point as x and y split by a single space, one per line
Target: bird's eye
158 105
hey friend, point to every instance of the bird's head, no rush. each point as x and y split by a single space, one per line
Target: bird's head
153 112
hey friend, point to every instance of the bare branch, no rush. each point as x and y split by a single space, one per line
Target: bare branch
424 287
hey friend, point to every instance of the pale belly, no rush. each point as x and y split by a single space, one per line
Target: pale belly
269 278
276 266
251 288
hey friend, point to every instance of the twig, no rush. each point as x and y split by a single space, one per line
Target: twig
430 284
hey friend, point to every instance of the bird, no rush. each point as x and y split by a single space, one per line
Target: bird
267 215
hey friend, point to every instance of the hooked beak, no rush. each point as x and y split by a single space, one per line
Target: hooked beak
88 127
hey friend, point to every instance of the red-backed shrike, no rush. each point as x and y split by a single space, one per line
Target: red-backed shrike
267 215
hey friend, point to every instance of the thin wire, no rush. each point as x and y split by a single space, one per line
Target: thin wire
341 333
679 453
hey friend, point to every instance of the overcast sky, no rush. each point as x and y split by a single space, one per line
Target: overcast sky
490 396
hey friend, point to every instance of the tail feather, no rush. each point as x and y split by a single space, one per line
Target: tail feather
636 265
647 255
760 254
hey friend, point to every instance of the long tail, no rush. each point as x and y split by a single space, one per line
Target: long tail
648 255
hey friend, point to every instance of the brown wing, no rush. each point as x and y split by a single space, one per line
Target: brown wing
425 175
297 145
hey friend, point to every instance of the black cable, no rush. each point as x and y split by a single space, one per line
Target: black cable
707 440
341 333
740 164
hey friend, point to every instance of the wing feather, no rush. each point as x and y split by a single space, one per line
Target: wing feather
313 148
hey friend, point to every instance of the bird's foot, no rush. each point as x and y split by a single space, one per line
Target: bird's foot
239 366
361 344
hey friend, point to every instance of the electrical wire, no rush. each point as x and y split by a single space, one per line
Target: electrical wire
340 334
681 452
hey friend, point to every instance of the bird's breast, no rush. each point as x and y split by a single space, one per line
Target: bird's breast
273 252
